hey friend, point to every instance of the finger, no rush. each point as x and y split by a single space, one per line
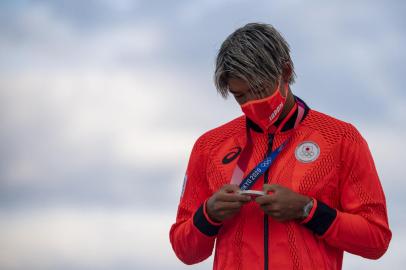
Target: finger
231 197
277 216
271 208
229 214
225 214
230 188
264 200
271 188
225 206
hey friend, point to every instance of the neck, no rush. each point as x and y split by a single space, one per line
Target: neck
290 102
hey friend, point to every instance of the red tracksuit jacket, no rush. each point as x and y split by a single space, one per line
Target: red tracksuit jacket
349 213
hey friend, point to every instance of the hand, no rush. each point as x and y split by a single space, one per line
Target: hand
225 203
282 204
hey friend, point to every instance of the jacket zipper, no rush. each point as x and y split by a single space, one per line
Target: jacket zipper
266 218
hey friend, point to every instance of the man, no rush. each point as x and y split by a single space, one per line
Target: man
321 194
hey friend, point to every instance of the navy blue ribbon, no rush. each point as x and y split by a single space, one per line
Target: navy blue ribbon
261 168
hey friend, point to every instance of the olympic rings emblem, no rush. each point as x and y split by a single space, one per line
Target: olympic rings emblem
307 151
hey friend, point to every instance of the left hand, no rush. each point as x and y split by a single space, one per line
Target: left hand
282 203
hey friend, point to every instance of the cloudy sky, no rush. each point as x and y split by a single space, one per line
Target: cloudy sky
101 102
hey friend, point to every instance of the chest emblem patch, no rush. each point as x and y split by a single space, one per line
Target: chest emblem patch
307 152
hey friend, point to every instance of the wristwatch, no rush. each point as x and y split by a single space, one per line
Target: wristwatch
307 208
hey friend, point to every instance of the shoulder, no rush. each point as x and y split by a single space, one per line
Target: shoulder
331 128
216 136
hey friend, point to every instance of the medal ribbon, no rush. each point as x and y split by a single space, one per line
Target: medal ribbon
260 169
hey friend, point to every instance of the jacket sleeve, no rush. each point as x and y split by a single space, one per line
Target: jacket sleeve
193 234
360 225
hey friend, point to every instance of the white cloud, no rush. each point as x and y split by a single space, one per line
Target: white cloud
87 238
389 151
106 239
393 259
349 56
39 37
68 119
121 5
193 11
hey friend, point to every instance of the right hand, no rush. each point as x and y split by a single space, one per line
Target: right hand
225 203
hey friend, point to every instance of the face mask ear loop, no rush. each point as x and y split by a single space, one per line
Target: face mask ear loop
286 86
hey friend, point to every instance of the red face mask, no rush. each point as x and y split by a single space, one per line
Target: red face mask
264 112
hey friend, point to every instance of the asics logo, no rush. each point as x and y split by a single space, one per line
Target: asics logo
235 151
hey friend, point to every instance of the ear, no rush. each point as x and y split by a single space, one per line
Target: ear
286 72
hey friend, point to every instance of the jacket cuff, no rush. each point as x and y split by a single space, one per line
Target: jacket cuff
321 218
204 224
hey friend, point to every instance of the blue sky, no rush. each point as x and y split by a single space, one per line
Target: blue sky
101 102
